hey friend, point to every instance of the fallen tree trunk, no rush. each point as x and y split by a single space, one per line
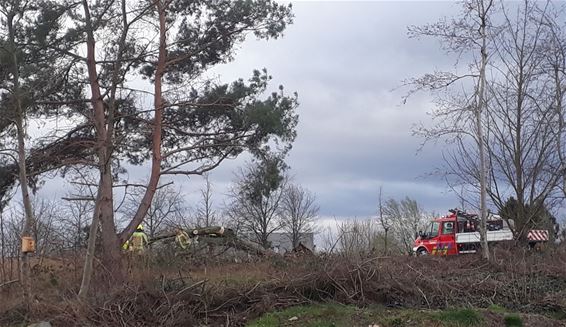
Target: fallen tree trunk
219 236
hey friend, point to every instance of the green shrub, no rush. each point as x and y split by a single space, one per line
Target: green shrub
460 317
497 308
513 320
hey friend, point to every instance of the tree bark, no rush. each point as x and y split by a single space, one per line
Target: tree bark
157 128
22 173
483 11
103 192
111 257
26 232
91 247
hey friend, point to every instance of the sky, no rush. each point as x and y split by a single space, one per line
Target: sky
347 61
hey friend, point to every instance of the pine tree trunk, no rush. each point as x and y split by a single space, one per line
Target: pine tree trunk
110 244
23 178
151 188
26 232
111 256
88 270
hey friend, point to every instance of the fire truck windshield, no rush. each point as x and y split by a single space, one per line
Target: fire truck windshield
433 229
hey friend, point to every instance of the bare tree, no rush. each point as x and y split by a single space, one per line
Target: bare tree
406 218
255 200
384 220
521 132
12 229
44 228
359 238
205 213
463 114
7 247
522 122
554 66
75 223
298 212
165 211
328 239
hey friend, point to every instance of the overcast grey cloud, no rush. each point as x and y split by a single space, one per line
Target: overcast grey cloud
344 59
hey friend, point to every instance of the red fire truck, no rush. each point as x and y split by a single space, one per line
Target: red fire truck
458 233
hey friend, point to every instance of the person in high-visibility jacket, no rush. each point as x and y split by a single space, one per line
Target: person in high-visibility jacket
139 241
182 238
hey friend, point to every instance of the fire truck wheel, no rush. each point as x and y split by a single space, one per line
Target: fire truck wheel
421 252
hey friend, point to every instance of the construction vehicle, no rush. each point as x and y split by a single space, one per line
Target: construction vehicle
458 233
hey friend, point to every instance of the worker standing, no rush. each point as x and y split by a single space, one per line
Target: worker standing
135 248
139 241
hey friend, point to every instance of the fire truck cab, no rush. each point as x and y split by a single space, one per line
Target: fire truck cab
438 239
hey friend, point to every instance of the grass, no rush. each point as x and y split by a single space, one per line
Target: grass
334 315
330 315
510 319
459 317
513 320
497 309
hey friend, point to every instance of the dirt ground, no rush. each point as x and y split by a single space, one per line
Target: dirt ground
182 293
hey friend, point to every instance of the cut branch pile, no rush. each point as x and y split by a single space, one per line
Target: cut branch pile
528 284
